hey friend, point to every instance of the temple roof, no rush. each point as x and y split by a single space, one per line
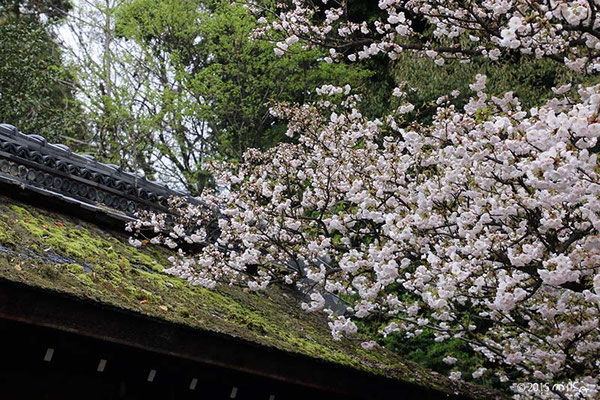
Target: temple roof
52 249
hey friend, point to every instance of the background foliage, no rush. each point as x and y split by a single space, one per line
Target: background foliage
36 90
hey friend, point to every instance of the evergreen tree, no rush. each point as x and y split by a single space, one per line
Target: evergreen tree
36 90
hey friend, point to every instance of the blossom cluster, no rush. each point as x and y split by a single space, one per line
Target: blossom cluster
565 30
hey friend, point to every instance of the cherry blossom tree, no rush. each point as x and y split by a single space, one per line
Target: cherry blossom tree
483 225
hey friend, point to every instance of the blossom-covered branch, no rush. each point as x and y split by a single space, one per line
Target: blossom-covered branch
567 31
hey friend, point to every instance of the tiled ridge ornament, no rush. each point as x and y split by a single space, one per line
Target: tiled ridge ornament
53 169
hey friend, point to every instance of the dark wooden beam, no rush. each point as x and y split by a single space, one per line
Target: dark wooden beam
63 313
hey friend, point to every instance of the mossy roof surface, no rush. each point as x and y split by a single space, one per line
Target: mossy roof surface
65 254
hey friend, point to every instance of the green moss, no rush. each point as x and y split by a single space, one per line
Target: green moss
73 268
18 210
130 278
85 279
6 237
86 245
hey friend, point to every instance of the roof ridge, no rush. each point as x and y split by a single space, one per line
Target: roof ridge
33 163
